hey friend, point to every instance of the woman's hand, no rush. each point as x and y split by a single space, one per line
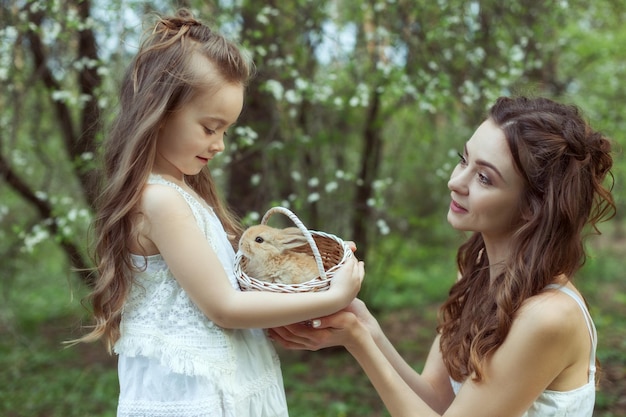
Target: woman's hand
340 329
333 330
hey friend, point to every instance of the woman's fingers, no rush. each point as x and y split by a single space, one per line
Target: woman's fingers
333 330
295 336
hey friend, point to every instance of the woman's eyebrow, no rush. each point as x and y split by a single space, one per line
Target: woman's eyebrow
488 165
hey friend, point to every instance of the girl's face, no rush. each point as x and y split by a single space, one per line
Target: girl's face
193 135
486 188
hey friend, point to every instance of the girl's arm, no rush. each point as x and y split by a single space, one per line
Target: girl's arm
170 225
539 350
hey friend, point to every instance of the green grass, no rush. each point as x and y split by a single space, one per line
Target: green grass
41 378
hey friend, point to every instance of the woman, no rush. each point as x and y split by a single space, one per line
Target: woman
514 336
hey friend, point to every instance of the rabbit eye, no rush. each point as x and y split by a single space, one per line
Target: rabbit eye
258 239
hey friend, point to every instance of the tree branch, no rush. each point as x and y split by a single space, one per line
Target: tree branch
41 69
45 212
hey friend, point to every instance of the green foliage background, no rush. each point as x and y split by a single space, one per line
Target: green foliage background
353 121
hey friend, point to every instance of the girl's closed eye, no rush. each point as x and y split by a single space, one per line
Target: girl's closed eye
208 131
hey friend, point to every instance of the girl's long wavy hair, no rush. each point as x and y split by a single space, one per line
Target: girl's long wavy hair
160 80
564 164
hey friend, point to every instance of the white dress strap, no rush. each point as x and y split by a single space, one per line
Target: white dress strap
590 326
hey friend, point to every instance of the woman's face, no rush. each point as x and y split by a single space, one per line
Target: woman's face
485 187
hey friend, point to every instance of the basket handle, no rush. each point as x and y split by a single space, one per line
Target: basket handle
304 230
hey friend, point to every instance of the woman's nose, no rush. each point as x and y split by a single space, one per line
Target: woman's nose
458 180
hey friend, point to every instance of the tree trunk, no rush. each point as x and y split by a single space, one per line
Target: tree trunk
370 167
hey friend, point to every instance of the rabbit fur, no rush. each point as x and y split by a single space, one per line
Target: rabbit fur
271 258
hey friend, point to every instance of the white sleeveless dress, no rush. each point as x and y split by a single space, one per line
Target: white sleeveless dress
175 362
578 402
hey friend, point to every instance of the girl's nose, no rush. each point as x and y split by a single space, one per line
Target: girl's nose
218 145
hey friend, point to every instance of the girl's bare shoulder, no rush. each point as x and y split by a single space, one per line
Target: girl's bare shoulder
159 200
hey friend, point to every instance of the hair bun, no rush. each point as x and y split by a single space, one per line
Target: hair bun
185 16
183 19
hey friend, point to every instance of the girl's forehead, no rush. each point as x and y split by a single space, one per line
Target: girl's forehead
222 102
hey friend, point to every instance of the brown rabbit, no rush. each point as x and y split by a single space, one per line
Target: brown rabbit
271 258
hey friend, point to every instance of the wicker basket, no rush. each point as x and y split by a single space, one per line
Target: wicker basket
329 251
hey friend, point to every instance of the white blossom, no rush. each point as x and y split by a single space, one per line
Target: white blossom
383 227
313 197
37 235
331 186
275 88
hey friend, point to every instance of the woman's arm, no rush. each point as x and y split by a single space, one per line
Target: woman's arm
433 385
172 228
539 348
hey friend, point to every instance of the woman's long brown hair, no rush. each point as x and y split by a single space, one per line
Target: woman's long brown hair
564 164
159 81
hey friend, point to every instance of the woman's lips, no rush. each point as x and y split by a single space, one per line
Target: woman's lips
456 207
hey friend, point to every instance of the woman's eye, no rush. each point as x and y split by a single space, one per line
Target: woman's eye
483 179
462 159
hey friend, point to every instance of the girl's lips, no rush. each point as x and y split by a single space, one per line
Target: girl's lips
205 160
455 207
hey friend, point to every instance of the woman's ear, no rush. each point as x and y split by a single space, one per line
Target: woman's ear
529 209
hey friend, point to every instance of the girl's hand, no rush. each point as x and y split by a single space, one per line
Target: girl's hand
351 245
347 280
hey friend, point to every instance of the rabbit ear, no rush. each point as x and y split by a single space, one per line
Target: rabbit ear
291 237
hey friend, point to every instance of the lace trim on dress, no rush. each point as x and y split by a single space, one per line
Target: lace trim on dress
185 342
261 396
209 363
213 406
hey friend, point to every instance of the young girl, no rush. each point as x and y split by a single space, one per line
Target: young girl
166 299
515 337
